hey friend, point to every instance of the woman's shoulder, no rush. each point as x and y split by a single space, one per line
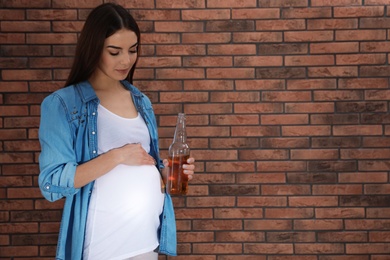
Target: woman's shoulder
79 92
82 90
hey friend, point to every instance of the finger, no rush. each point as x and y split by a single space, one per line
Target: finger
189 167
165 162
191 160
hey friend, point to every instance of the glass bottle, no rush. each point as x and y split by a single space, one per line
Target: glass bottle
179 152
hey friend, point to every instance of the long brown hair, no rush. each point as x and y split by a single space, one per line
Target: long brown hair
101 23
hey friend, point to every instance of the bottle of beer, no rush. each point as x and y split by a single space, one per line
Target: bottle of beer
179 152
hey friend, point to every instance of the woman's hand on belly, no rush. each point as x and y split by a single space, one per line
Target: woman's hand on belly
133 155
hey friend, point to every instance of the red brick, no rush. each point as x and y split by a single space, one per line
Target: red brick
377 189
268 248
282 3
368 248
283 48
379 236
334 47
334 236
20 86
218 248
8 14
312 60
322 248
336 2
292 213
358 11
180 72
338 189
306 130
363 83
285 96
328 24
26 74
178 26
14 251
342 71
255 37
230 26
268 225
160 38
232 97
182 50
285 142
189 38
51 14
51 38
179 4
22 26
375 46
234 143
277 166
312 36
313 12
259 84
357 59
277 25
216 154
360 35
230 73
264 13
346 257
261 178
231 3
75 4
313 201
67 26
284 119
12 38
155 15
354 130
26 4
231 49
266 61
207 61
213 14
363 177
234 120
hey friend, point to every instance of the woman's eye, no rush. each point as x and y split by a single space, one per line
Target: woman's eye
133 51
114 53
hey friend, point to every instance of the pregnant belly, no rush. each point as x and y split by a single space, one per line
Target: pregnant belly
129 189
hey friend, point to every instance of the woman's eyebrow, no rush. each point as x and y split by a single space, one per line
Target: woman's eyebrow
119 48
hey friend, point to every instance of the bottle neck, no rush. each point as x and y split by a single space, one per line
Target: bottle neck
180 132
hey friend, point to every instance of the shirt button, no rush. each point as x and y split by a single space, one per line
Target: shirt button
93 132
47 187
94 151
93 113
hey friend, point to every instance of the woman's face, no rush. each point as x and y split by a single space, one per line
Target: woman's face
118 56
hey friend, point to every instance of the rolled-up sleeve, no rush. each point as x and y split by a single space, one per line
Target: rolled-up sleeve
57 161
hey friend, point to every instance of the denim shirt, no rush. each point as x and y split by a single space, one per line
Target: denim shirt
68 137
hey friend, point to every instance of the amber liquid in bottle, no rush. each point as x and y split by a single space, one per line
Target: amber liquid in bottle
179 152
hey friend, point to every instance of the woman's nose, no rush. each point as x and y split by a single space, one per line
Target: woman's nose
127 59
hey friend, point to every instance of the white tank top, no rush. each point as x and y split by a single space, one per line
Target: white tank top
123 214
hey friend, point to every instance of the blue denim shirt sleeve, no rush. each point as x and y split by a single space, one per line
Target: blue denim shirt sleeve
57 160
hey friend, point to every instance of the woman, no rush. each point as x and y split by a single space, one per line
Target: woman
100 150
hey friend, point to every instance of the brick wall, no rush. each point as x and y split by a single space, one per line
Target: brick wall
288 117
